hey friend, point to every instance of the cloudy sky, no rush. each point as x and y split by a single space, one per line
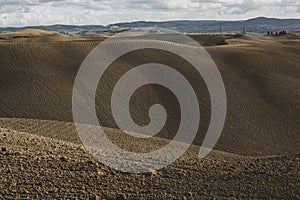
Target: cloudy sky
45 12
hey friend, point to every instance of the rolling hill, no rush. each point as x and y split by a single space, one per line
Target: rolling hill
258 25
256 156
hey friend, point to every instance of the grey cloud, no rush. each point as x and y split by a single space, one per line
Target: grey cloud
46 1
15 12
252 6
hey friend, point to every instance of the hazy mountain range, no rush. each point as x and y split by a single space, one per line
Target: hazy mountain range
260 25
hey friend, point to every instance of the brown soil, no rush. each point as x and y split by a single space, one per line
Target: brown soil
257 155
39 167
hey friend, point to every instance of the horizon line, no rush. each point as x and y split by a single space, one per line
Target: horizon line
150 21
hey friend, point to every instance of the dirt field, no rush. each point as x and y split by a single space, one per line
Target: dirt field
257 155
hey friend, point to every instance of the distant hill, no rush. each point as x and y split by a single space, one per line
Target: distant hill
260 25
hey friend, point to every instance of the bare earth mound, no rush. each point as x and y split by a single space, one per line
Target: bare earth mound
32 35
42 156
261 76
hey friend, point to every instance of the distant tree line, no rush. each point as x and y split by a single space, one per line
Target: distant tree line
280 33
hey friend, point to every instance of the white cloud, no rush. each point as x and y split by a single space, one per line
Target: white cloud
34 12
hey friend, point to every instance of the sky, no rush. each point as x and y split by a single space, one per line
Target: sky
104 12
